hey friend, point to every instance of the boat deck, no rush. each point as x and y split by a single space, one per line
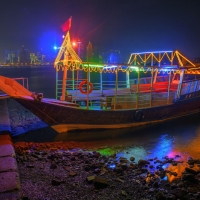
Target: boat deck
126 98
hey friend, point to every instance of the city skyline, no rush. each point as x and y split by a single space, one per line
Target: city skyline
85 53
131 26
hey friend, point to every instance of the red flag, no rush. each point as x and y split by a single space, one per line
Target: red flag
67 24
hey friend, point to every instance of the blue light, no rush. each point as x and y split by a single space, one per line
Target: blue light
109 67
49 42
112 166
154 52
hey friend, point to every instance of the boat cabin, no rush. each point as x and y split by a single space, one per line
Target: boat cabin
148 79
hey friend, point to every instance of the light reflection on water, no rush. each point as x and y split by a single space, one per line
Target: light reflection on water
177 137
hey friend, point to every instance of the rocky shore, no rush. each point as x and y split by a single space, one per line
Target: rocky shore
77 170
65 170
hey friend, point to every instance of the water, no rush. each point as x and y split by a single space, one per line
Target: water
171 138
40 78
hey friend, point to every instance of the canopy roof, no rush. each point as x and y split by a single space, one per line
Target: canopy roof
162 61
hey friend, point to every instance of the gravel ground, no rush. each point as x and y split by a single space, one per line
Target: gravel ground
65 171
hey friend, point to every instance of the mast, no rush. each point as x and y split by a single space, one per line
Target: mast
70 58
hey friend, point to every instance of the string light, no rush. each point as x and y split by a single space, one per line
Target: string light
72 61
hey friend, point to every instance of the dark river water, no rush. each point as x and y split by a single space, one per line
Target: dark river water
177 137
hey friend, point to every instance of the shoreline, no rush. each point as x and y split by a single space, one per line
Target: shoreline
63 170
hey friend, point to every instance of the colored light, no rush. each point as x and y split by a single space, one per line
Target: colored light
153 52
55 47
112 66
74 43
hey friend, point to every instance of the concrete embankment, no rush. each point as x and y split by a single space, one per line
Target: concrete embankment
9 176
14 120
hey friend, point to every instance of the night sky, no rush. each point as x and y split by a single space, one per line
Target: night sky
127 25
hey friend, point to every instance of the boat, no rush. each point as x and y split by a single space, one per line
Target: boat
151 87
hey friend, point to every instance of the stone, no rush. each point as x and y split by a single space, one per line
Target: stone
160 196
173 186
5 141
191 171
100 183
30 166
174 163
118 169
90 178
188 177
119 180
73 173
191 162
170 197
123 193
8 164
7 150
97 170
156 183
123 160
55 182
179 193
87 168
143 162
10 196
124 166
132 158
53 166
151 166
9 181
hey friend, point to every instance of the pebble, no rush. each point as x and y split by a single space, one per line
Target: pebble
80 174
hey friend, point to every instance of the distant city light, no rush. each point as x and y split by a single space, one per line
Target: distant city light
55 47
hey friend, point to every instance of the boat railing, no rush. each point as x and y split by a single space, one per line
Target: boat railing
126 95
23 81
147 80
190 86
121 96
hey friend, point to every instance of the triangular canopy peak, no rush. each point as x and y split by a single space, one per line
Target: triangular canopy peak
66 53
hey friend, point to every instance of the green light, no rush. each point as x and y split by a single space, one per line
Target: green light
107 151
93 65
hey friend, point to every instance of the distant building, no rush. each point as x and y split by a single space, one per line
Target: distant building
24 56
33 58
89 53
37 59
80 50
11 57
112 56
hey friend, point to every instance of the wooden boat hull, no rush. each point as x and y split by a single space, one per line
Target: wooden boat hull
68 117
